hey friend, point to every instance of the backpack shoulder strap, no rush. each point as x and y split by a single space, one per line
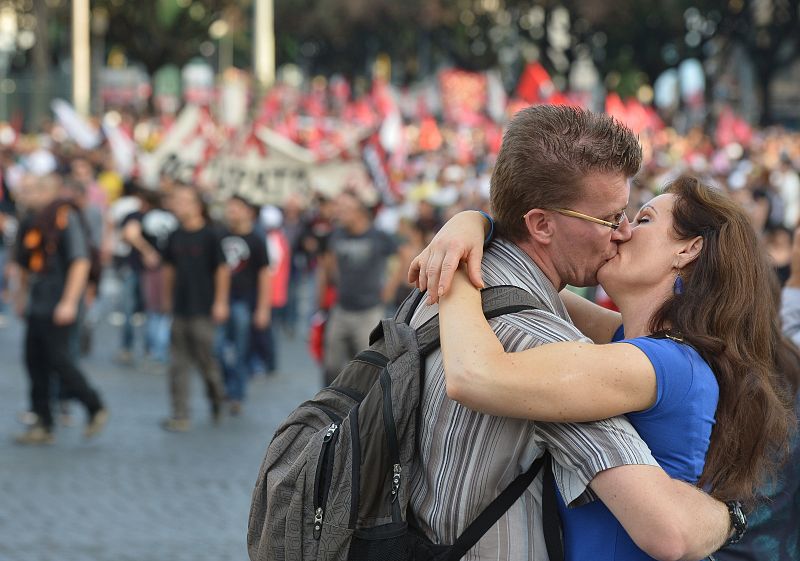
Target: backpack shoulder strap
497 301
498 507
403 315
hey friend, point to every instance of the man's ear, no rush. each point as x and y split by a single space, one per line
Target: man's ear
540 226
690 251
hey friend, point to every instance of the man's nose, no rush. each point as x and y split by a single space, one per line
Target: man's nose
623 233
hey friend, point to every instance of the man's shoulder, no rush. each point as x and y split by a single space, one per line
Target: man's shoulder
518 330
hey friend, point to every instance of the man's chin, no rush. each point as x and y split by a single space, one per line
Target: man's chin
585 282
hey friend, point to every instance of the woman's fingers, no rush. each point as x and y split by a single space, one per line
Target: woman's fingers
474 267
448 269
417 266
432 271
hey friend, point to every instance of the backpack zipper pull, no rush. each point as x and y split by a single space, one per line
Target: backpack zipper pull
318 523
330 432
396 481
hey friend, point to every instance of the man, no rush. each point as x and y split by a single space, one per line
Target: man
53 254
196 289
246 255
551 158
354 263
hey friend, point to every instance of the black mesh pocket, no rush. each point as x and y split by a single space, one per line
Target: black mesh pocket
394 542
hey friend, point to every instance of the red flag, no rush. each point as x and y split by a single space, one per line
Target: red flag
430 138
615 107
534 84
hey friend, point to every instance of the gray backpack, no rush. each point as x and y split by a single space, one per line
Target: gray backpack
334 484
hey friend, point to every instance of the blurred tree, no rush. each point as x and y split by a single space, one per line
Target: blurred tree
157 32
41 62
769 30
154 32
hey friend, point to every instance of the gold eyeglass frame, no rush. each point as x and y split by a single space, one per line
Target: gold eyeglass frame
576 214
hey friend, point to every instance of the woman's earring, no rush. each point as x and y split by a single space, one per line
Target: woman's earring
677 288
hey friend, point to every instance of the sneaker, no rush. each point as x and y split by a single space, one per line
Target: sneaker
96 423
236 408
28 418
171 424
34 436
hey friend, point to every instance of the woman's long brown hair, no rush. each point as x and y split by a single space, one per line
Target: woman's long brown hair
729 313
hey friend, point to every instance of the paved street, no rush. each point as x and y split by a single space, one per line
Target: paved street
137 493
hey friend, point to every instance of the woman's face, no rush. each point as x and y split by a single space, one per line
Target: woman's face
647 261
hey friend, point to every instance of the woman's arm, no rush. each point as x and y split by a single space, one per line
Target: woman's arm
596 322
558 382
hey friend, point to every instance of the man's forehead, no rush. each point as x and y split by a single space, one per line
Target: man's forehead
606 192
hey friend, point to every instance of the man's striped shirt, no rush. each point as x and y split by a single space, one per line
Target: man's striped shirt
468 458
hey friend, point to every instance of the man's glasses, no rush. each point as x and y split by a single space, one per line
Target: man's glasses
618 220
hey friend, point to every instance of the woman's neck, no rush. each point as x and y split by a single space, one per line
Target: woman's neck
638 309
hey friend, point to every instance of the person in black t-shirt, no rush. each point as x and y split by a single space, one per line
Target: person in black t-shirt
147 231
53 255
246 255
196 289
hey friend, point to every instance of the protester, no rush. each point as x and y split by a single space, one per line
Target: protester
354 262
264 352
196 293
53 254
130 298
146 231
246 255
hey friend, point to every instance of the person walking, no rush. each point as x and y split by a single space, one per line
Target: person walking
246 254
355 263
196 292
54 261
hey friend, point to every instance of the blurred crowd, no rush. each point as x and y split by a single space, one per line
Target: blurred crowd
333 261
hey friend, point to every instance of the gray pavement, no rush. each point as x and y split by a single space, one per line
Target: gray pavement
136 492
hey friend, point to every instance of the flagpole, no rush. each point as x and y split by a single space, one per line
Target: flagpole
264 43
81 63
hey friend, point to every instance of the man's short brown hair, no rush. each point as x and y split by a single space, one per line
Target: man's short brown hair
547 152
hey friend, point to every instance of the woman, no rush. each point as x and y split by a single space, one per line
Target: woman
696 375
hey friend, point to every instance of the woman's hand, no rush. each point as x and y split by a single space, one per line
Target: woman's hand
460 239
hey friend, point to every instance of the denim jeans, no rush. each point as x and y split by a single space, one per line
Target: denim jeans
156 335
233 347
262 350
131 303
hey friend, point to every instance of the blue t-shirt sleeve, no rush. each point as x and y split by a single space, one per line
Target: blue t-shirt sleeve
678 425
676 369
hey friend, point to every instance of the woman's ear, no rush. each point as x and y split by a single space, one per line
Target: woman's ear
540 225
690 251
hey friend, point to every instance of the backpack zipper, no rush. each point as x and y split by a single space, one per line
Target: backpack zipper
321 488
391 440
